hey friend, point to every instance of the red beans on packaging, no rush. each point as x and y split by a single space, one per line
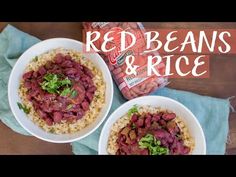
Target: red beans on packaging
130 86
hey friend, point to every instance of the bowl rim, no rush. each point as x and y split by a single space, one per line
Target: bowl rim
60 141
105 128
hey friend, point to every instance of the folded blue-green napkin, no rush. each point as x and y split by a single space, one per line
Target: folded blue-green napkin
212 113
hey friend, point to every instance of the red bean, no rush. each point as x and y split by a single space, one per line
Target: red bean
88 72
41 113
89 95
162 122
169 116
92 89
70 71
49 121
140 122
134 118
57 117
156 117
59 58
33 93
164 142
87 79
172 127
28 75
53 107
27 84
144 152
81 93
85 105
68 57
80 113
160 133
42 70
66 64
186 150
35 74
170 139
148 121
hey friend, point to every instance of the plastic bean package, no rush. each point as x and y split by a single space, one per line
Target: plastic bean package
131 86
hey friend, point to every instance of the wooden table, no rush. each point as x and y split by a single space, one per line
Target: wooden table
221 84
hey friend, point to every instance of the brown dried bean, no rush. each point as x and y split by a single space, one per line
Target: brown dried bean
142 89
125 25
117 71
137 90
115 24
125 89
149 87
153 89
111 67
116 66
143 86
133 25
133 94
126 93
120 75
120 80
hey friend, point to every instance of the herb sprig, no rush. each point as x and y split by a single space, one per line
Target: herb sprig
153 145
24 108
133 110
53 83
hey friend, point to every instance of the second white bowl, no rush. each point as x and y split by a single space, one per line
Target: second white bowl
165 103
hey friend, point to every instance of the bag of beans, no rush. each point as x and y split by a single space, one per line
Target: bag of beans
133 85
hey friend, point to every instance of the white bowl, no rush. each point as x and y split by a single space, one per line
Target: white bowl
18 71
165 103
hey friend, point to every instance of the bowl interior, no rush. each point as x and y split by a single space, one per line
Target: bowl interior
18 71
165 103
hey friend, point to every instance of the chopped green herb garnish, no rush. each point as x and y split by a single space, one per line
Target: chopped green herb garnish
65 92
69 106
97 96
35 58
74 93
153 145
23 107
133 126
52 83
65 82
52 130
133 110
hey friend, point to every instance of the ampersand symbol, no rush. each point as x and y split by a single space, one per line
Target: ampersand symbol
130 69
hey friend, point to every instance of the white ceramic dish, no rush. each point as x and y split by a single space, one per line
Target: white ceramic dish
165 103
18 71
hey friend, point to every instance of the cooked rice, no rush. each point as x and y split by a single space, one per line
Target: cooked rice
112 146
94 107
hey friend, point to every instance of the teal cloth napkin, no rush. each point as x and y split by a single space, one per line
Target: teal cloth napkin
212 113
